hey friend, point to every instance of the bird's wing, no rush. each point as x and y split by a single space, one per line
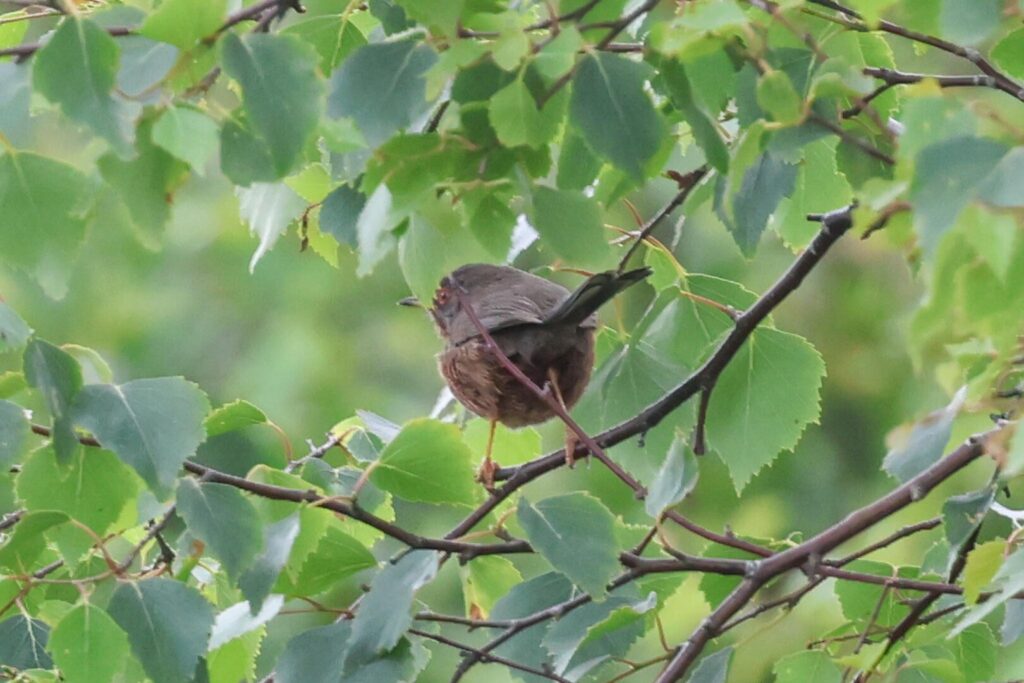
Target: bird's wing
509 304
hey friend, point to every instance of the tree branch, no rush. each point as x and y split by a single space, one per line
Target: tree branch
349 509
1002 81
254 11
819 545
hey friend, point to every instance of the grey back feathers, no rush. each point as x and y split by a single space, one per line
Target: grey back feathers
514 297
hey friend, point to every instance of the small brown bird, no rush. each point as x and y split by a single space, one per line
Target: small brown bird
545 330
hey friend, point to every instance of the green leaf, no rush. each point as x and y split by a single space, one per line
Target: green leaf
13 433
675 479
777 96
926 442
1014 464
613 114
685 327
617 631
12 383
570 223
237 620
94 488
577 165
714 668
244 158
373 230
692 34
1013 622
556 57
491 221
340 213
145 184
442 16
278 539
763 400
151 424
281 93
235 660
530 597
15 80
427 462
947 177
220 516
26 542
14 332
434 244
705 130
565 528
76 70
95 370
334 36
820 187
969 21
860 601
315 656
402 663
765 182
1009 53
976 653
23 643
145 64
485 580
313 521
233 416
511 45
982 564
45 202
168 625
188 134
584 638
517 120
382 87
812 665
184 22
1002 186
962 514
1008 581
337 556
59 378
88 646
268 208
384 614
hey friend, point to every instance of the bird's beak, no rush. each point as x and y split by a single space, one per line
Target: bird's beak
410 301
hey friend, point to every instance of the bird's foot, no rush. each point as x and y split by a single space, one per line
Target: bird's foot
485 475
570 447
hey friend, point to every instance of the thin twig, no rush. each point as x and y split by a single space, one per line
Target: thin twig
686 185
852 20
487 657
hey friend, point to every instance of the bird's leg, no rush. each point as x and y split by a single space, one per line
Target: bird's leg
570 436
485 474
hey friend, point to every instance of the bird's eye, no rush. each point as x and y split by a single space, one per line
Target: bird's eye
442 296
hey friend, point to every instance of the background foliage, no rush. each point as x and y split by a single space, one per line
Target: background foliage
208 210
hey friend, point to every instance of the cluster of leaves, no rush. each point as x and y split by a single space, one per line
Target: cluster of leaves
474 130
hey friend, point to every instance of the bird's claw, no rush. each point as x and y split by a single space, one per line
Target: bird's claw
485 475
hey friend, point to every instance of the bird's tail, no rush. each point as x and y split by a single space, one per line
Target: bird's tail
595 291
